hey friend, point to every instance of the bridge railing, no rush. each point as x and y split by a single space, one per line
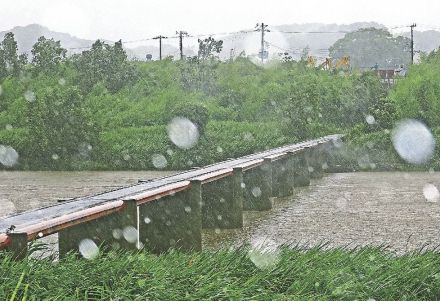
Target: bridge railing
170 212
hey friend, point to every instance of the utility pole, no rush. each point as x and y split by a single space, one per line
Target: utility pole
181 35
262 27
412 42
160 44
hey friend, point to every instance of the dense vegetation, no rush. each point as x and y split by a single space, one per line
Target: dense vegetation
363 274
370 47
98 110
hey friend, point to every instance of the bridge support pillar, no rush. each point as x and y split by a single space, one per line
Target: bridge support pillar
19 245
257 186
117 230
222 202
282 177
301 174
315 161
173 222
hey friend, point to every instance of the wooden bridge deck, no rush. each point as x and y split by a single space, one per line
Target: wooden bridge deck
106 202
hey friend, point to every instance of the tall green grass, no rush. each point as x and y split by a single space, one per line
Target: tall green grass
316 274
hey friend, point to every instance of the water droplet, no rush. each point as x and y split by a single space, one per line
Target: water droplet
324 166
126 157
40 235
431 193
139 245
310 168
248 136
319 115
168 223
190 163
341 203
8 127
264 254
182 132
88 249
309 119
8 156
243 185
219 217
219 149
222 200
256 192
159 161
170 152
29 96
370 119
62 81
55 157
117 233
147 220
130 234
217 231
187 209
413 141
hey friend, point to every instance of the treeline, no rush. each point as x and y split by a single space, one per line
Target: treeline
98 110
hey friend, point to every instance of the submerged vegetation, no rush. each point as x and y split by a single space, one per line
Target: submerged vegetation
98 110
316 274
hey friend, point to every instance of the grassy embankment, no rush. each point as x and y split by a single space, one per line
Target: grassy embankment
317 274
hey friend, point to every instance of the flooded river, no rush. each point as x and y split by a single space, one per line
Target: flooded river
347 209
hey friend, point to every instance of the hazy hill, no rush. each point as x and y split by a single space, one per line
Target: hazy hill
234 44
26 36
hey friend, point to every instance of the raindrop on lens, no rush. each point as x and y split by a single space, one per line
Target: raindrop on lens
431 193
55 157
8 156
8 127
413 141
264 254
219 149
117 233
159 161
182 132
29 96
187 209
130 234
256 192
147 220
62 81
370 119
88 249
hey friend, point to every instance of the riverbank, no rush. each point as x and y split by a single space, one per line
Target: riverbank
291 274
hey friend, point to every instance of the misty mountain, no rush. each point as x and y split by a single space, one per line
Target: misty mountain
27 36
291 38
425 41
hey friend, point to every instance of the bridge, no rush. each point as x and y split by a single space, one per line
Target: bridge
170 212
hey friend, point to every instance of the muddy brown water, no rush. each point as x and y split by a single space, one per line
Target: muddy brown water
343 210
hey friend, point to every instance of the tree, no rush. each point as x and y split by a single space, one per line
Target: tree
10 62
208 48
59 126
47 54
104 63
370 46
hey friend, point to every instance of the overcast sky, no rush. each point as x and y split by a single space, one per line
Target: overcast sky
137 19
